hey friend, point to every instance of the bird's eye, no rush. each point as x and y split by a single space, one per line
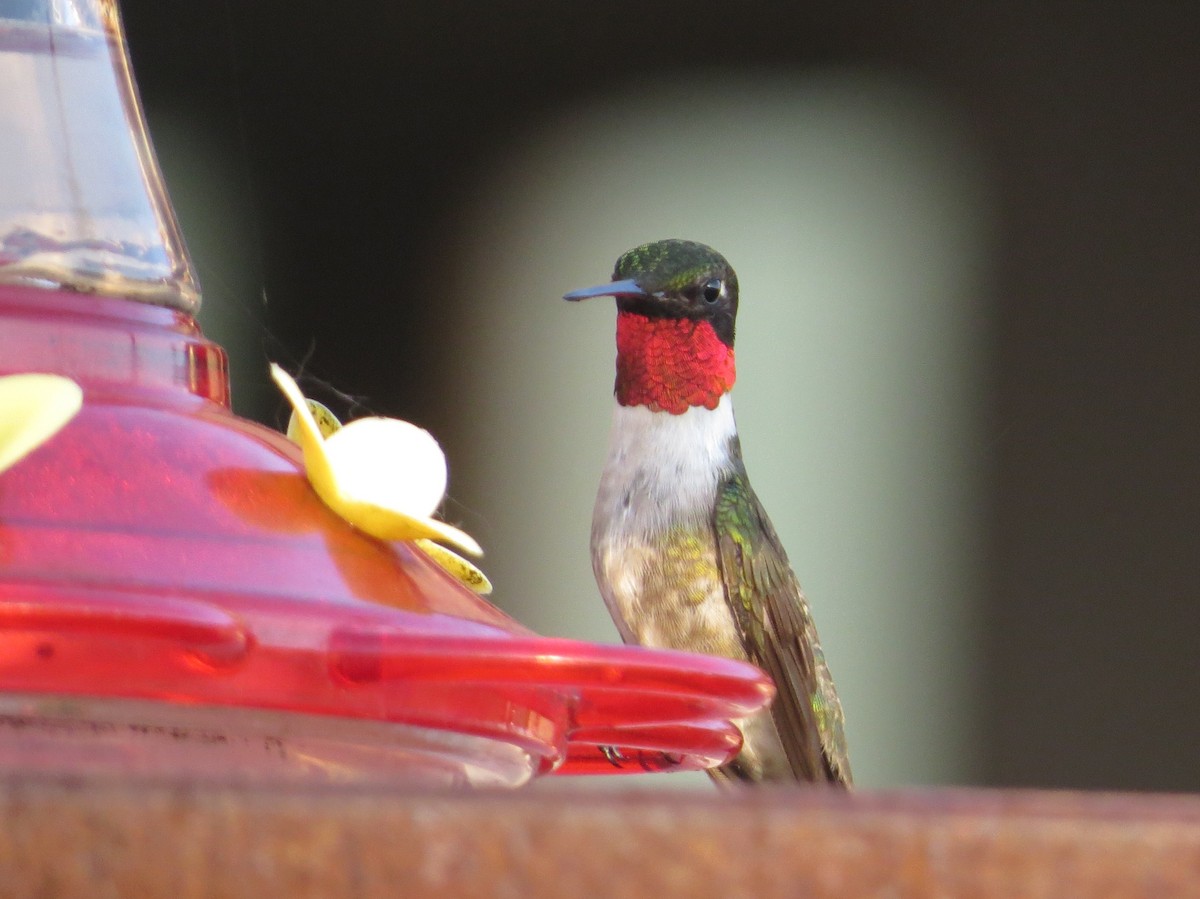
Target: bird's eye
712 290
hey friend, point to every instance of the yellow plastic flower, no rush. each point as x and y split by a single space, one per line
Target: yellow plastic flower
384 476
33 408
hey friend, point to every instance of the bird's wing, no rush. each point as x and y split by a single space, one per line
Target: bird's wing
779 633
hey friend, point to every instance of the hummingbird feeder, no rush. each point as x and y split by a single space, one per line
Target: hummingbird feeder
174 597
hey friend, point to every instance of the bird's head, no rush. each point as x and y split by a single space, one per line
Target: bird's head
674 279
677 304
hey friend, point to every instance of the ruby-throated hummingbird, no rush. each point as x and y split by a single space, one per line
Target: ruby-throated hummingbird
683 551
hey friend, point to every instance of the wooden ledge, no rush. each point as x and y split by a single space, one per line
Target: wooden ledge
96 838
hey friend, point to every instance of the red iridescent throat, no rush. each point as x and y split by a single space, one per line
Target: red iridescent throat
671 364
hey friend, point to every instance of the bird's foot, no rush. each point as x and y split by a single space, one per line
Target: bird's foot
613 755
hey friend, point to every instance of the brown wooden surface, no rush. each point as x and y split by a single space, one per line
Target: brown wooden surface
101 839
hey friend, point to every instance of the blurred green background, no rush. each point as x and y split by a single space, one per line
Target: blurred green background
969 346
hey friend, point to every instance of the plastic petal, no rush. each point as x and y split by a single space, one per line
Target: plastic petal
457 566
325 420
307 434
33 408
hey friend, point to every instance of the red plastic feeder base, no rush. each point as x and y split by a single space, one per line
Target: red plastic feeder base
174 597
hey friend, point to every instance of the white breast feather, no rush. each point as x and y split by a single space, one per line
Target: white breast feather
662 472
663 469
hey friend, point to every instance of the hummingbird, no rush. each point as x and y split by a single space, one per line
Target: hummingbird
683 551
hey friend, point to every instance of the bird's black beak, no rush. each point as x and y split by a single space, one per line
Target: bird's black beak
626 288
